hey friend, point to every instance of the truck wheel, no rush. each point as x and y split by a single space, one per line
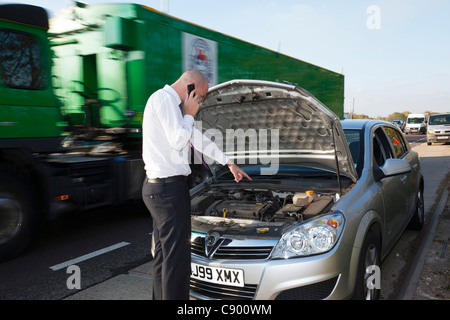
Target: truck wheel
18 215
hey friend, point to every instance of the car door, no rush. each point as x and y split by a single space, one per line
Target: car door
409 180
391 188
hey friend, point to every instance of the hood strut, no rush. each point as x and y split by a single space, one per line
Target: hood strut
338 173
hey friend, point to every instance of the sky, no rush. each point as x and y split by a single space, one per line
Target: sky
394 54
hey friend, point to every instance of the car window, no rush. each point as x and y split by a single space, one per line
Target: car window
381 148
397 141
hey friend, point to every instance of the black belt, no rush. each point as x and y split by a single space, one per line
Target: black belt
167 180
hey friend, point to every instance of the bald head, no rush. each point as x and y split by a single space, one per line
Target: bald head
190 77
194 76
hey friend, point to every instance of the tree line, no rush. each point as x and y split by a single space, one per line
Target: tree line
393 116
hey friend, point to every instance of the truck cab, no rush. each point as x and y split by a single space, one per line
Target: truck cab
29 112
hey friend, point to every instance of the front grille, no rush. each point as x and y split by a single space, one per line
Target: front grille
231 252
223 292
198 247
243 252
315 291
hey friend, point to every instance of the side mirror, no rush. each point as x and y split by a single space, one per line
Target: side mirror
392 167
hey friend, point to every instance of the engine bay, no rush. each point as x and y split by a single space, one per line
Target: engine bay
242 208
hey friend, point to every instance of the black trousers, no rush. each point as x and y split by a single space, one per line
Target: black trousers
170 205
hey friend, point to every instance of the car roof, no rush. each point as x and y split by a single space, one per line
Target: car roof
360 124
440 114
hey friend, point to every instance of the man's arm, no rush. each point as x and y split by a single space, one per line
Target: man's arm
178 129
203 144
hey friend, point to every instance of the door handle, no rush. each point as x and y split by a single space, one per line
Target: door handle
403 179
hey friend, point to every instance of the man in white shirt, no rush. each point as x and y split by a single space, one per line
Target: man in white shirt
168 133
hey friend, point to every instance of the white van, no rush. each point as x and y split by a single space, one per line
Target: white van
438 128
415 123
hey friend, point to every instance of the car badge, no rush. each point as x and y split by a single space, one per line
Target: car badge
211 240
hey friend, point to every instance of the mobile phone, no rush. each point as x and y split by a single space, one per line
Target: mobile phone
190 88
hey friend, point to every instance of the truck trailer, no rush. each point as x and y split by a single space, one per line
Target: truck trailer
72 95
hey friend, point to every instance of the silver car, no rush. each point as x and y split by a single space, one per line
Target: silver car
327 202
438 129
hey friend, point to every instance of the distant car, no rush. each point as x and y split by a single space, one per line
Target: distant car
438 129
399 124
328 199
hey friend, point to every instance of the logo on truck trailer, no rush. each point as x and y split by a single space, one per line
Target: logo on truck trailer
200 54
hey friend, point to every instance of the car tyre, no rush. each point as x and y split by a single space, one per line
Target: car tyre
370 256
418 218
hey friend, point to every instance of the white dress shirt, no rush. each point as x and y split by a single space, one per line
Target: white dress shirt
168 135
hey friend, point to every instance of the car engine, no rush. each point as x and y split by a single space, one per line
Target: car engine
261 205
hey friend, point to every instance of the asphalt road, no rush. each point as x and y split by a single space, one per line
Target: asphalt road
109 241
415 139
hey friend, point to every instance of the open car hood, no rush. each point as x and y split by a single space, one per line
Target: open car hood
260 122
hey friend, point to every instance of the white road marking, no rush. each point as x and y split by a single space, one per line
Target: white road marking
88 256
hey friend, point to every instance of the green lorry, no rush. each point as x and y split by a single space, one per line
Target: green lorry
72 95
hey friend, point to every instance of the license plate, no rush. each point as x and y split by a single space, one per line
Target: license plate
443 137
226 276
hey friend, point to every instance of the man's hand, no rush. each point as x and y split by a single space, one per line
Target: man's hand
237 172
191 104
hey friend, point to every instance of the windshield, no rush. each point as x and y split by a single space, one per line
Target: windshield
416 120
439 119
356 146
284 171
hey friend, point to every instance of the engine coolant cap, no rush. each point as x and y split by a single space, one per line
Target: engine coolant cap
312 195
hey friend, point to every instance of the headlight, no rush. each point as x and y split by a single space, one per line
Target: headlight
313 237
431 132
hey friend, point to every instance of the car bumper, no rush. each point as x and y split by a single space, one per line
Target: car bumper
438 138
324 276
415 130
